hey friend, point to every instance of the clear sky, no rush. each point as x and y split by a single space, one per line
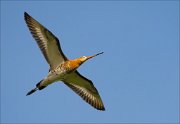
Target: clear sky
137 76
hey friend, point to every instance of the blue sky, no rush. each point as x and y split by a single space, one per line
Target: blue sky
137 76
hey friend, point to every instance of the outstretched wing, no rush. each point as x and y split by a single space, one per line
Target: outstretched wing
84 88
47 42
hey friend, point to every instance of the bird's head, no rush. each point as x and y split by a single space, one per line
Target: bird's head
85 58
74 64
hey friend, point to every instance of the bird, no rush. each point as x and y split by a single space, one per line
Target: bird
62 68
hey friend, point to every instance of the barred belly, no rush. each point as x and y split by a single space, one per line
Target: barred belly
54 75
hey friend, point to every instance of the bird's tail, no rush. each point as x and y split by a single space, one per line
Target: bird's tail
32 91
38 87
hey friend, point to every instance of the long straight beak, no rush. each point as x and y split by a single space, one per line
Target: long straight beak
89 57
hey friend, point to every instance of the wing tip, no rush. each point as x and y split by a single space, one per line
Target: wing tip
96 102
101 109
28 18
99 105
26 15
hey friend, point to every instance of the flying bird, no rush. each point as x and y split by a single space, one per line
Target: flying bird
61 68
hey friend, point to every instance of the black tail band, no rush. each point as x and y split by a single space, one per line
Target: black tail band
32 91
38 85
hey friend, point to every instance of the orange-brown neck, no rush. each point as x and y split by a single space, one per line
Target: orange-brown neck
73 64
